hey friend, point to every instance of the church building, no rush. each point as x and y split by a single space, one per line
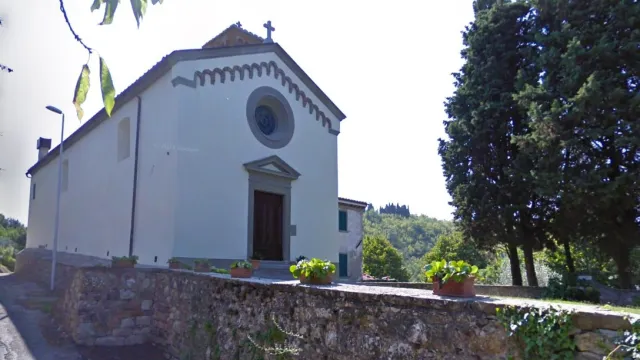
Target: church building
225 152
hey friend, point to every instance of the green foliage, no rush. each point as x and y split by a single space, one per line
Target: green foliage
13 231
82 89
314 268
241 264
219 271
380 259
273 343
173 261
201 262
542 332
563 289
444 271
106 85
139 9
454 246
7 257
629 342
413 236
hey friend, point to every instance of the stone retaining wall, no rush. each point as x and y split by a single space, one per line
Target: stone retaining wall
488 290
211 316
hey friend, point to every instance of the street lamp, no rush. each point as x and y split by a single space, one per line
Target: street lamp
57 221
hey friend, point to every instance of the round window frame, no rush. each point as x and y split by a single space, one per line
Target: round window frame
285 124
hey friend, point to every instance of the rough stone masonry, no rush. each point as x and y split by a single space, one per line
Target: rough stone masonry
209 316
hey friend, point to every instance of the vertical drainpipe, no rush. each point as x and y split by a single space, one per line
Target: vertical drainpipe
135 175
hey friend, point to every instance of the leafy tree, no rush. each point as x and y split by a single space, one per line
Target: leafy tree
488 176
14 231
413 236
452 246
380 258
585 114
396 210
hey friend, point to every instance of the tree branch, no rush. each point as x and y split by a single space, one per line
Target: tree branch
75 35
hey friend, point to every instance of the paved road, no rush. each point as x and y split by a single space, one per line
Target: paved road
20 334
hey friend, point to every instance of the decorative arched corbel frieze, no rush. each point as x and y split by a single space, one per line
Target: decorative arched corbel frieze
240 71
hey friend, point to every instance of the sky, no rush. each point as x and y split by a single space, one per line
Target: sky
386 64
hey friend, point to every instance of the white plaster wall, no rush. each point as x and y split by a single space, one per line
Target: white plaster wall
156 190
95 211
349 240
213 133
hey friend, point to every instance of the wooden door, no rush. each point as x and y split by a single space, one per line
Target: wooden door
268 225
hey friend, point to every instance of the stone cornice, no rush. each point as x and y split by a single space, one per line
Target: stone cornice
240 72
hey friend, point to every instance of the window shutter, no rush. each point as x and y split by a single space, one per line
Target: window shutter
342 220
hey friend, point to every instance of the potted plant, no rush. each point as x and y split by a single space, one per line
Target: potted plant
241 269
298 259
201 265
453 278
255 260
314 271
124 261
174 263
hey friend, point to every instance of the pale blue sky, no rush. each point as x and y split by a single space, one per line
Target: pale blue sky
386 64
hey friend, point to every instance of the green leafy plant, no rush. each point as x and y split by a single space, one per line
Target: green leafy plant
581 291
444 271
219 271
543 333
628 344
275 342
300 258
173 261
201 262
241 264
132 258
314 268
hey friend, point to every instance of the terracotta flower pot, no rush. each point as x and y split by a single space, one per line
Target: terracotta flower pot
255 264
326 280
175 265
122 264
457 289
241 273
202 267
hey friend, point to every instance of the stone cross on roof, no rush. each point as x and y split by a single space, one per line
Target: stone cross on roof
269 28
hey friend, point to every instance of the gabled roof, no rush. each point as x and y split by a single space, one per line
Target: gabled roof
234 35
165 65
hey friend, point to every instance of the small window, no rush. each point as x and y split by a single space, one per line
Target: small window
33 191
65 175
124 139
342 220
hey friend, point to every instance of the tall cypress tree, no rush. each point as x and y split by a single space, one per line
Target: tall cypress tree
487 175
586 121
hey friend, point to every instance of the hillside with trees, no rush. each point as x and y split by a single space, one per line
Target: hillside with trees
412 235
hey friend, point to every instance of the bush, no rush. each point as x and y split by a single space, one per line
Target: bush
563 289
7 257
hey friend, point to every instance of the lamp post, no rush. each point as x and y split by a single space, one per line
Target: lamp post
57 220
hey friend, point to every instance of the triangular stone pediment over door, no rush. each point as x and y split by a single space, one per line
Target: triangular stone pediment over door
269 227
272 165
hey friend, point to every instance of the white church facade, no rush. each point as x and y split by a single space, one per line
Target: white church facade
222 153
